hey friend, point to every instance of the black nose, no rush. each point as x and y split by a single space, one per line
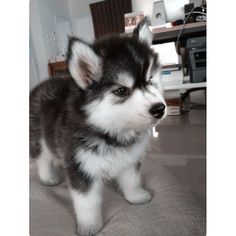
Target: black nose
157 110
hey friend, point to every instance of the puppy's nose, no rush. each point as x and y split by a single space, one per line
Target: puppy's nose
157 110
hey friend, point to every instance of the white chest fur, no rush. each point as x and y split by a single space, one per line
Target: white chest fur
111 160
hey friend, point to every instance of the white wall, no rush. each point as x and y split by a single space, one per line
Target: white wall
143 5
147 5
80 8
82 24
64 30
48 10
37 44
33 73
83 28
43 35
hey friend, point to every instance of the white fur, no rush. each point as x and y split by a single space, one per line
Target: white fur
83 51
156 81
88 209
149 70
156 77
131 114
145 34
130 182
46 169
125 80
111 161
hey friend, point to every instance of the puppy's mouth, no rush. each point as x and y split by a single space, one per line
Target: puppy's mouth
153 120
158 118
159 115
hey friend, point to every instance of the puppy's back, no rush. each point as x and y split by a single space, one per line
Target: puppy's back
46 101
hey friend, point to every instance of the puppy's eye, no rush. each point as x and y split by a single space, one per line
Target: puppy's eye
121 92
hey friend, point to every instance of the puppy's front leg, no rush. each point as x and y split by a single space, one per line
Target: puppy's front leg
130 183
87 198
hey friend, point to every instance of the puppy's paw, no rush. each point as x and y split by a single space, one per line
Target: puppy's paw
89 230
52 178
140 196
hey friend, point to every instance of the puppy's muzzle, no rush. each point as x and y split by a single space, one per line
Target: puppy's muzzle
157 110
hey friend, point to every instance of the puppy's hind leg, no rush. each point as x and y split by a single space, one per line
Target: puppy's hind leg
48 173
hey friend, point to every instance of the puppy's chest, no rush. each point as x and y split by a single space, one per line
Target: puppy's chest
109 162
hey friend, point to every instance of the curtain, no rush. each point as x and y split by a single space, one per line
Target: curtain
108 16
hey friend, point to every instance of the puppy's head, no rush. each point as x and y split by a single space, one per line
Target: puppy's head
121 77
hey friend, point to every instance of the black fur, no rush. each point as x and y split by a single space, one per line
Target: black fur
125 54
78 178
138 165
56 112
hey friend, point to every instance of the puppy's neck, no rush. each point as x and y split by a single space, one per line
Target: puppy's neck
123 138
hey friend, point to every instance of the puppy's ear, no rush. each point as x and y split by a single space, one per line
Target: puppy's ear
142 31
85 65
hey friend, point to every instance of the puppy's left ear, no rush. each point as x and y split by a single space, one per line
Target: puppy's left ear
142 31
85 65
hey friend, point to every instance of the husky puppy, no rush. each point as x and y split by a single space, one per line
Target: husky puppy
97 121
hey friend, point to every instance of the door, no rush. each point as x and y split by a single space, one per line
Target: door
63 30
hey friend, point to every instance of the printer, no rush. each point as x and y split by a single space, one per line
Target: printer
196 53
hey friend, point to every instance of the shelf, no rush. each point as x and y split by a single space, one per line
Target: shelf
185 86
165 35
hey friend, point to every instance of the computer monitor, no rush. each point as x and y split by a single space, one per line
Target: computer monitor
175 8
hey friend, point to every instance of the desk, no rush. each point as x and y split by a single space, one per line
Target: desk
185 86
59 68
165 35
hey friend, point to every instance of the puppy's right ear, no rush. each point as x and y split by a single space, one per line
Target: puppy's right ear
85 65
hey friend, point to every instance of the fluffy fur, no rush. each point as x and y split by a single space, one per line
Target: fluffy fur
97 121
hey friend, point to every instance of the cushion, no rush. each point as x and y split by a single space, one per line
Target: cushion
173 211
